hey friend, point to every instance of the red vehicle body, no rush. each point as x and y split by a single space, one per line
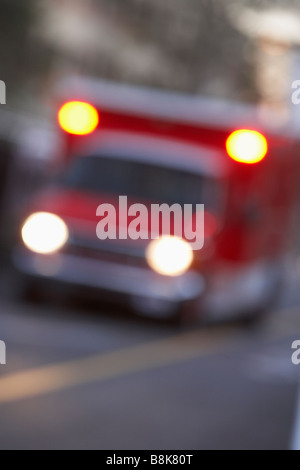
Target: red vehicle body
247 227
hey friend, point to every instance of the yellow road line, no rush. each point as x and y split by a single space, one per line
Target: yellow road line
53 378
98 368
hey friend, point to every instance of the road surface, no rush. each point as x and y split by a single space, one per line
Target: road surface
82 377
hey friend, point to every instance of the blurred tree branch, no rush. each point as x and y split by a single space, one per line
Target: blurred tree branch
186 45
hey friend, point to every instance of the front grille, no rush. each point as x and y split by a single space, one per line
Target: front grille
110 251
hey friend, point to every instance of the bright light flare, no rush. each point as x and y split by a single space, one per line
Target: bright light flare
247 146
44 233
170 256
78 118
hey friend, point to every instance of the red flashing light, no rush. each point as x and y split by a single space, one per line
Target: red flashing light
78 118
247 146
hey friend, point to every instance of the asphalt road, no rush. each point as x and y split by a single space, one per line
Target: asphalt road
81 377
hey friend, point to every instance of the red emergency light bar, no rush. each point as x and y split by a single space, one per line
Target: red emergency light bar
81 118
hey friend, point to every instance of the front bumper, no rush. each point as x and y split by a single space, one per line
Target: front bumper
110 277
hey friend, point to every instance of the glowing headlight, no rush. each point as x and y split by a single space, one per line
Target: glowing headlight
170 256
44 233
